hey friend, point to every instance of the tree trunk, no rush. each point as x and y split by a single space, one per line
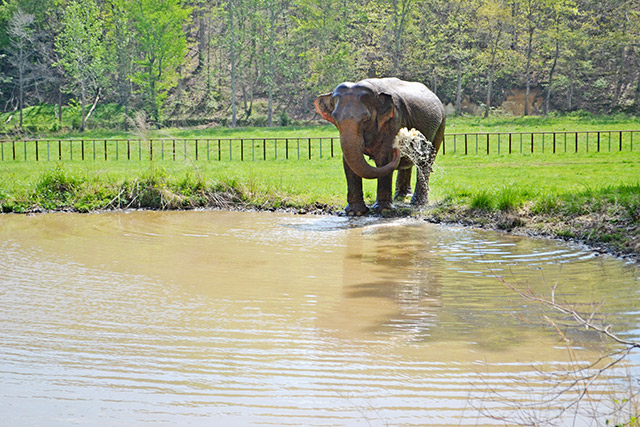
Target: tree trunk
489 88
272 22
492 69
637 103
528 70
398 24
93 107
60 107
459 88
82 102
621 65
232 54
21 79
553 68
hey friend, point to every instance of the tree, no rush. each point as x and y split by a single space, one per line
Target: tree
82 52
400 12
21 52
161 47
120 47
532 14
558 14
493 17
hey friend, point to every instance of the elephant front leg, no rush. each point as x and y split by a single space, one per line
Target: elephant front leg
355 197
383 199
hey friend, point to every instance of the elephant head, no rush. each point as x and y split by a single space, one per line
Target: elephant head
357 109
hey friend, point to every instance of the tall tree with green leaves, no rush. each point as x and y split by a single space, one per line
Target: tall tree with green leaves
21 52
493 18
121 50
558 17
82 52
161 45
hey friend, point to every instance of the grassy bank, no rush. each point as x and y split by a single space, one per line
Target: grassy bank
593 198
590 197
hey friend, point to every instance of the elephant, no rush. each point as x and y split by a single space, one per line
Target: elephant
368 115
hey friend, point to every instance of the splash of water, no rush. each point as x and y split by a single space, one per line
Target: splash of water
414 145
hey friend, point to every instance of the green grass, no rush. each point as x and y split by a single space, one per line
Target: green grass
492 182
549 189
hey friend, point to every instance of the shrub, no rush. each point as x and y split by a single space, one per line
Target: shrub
483 200
508 199
56 188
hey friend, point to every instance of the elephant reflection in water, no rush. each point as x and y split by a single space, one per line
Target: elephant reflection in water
388 284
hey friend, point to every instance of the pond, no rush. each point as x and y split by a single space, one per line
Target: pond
228 318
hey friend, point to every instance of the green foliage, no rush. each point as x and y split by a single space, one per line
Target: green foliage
215 60
162 45
82 50
56 188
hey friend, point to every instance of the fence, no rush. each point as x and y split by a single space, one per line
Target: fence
170 149
254 149
539 142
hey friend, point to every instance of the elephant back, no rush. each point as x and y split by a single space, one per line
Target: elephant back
416 106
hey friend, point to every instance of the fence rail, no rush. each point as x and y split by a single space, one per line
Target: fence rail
255 149
540 142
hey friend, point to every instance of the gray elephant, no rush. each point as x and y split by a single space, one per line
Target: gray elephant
369 115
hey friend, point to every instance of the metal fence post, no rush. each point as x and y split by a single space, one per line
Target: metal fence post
531 142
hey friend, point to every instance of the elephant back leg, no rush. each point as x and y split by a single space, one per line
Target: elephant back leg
421 194
403 184
424 169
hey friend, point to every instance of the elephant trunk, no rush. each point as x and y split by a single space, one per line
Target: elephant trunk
352 143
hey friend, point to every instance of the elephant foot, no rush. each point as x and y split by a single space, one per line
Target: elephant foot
419 200
356 209
380 206
402 194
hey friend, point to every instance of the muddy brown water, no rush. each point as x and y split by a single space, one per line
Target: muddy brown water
234 319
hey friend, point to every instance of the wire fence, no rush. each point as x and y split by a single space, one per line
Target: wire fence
256 149
218 149
539 142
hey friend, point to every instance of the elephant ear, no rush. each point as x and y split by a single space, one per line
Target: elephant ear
324 108
386 109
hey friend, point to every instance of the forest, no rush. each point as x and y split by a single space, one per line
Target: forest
262 62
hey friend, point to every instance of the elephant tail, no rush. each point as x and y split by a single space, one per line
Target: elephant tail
437 140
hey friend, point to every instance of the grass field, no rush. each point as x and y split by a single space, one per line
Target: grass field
593 197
